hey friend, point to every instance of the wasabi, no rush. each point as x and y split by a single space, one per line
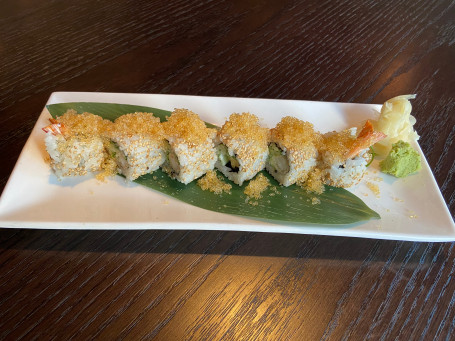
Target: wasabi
401 161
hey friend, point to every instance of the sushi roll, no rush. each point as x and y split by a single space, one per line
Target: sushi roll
137 144
346 154
242 147
293 150
75 143
191 150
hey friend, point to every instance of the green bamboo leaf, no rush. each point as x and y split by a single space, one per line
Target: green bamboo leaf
291 204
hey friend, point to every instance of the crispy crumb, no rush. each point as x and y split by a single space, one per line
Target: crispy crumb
187 126
338 144
82 125
412 214
244 127
138 123
315 201
275 191
257 186
109 169
314 182
213 183
293 133
374 188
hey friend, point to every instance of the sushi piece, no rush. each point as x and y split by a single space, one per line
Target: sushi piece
345 155
293 150
242 147
137 144
191 150
75 143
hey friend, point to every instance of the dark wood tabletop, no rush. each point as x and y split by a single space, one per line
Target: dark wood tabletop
226 285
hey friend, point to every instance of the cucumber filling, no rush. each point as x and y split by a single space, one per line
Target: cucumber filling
119 157
278 160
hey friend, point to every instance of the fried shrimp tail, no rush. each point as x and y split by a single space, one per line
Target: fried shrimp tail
54 128
366 138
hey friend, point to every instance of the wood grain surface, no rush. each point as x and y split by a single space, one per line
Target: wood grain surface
199 285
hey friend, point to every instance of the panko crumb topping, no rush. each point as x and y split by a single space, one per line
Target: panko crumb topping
186 125
108 169
337 144
293 133
314 182
257 186
85 124
213 183
244 127
138 123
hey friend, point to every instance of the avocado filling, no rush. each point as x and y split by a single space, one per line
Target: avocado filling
171 164
226 159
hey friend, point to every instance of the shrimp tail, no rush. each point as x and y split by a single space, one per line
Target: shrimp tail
54 128
366 138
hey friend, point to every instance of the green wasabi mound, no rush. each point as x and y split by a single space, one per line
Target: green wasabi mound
401 161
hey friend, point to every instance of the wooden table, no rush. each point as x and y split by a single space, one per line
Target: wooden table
199 285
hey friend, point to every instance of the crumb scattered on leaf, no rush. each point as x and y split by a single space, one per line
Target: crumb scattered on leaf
257 186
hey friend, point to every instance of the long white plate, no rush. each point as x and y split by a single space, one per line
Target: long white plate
411 208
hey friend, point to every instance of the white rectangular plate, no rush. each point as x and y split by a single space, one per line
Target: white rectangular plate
411 208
